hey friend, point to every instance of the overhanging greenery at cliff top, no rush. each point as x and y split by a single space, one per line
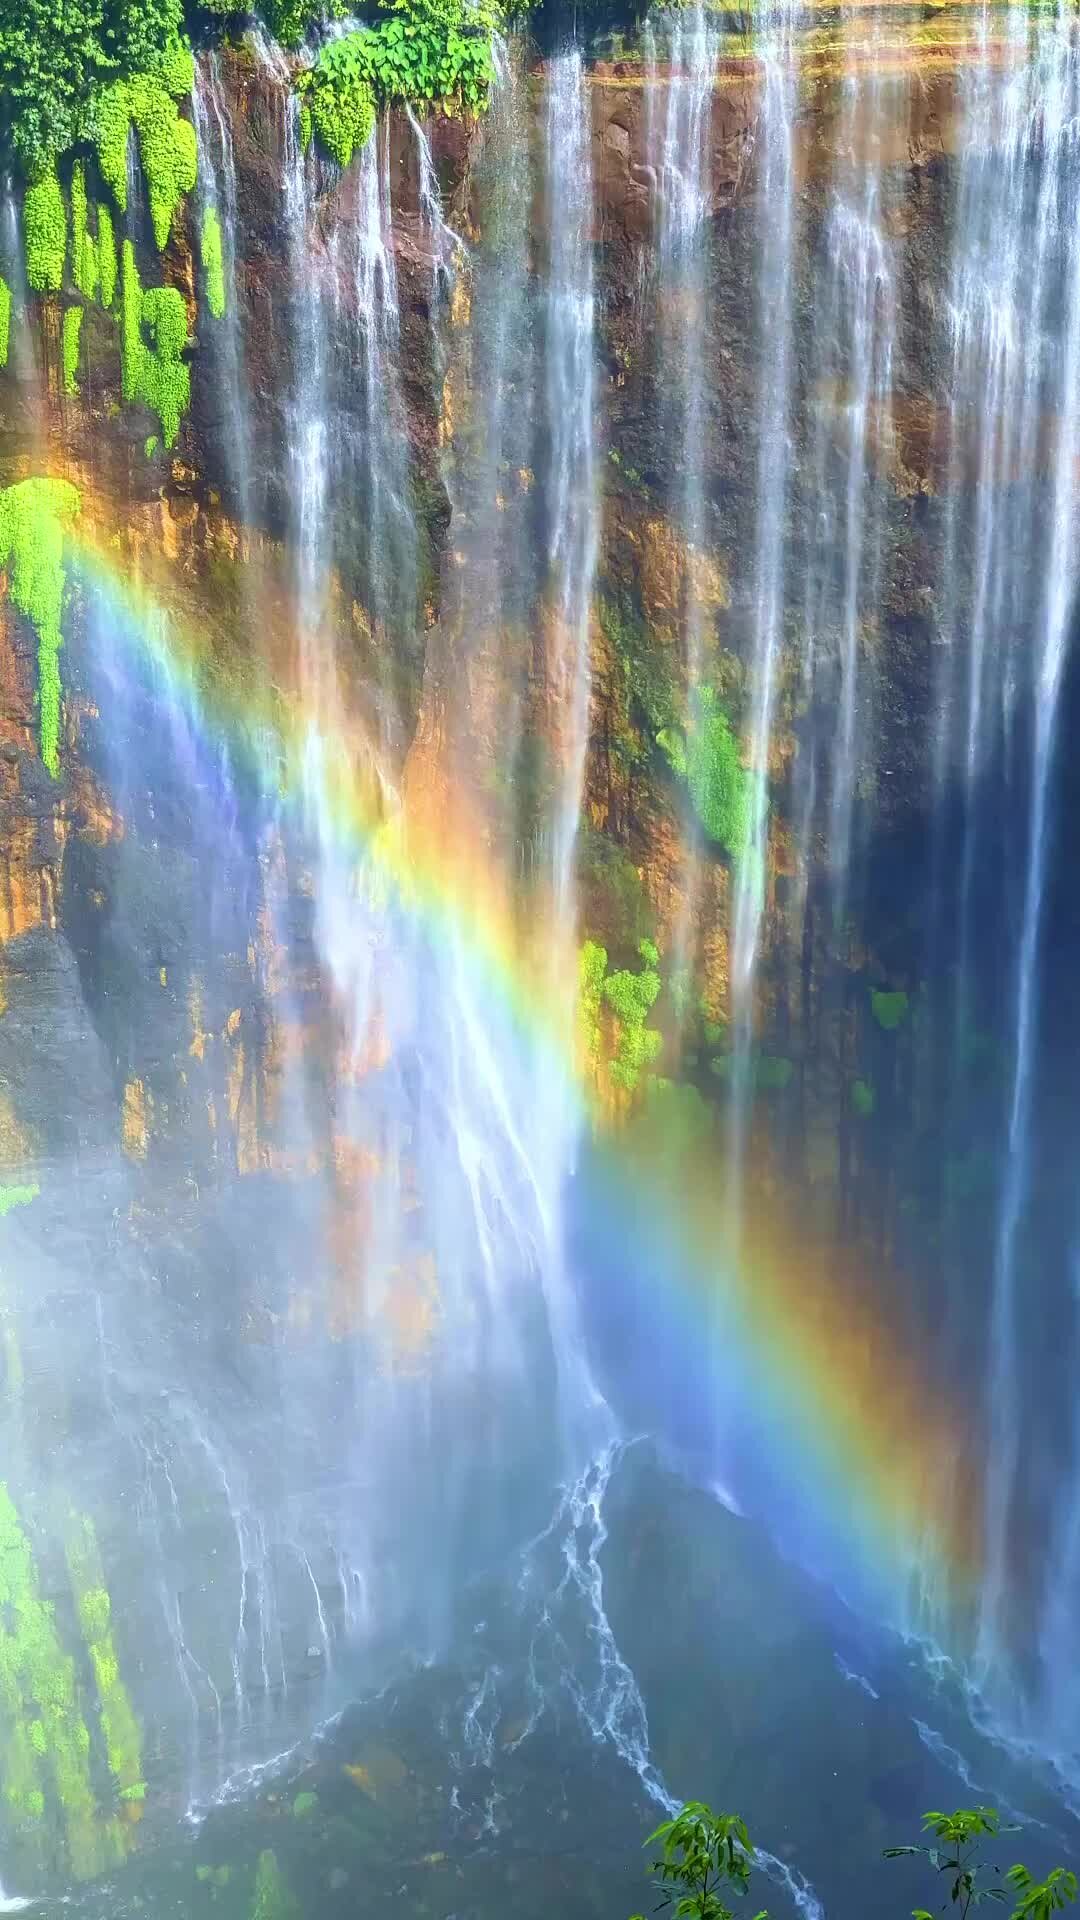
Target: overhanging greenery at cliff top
74 71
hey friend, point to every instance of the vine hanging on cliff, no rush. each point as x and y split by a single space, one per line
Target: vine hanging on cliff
427 53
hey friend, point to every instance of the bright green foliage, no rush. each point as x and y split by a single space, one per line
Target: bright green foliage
49 57
45 232
1038 1899
106 256
273 1898
72 334
17 1197
889 1009
132 345
153 375
150 445
288 19
592 967
305 1804
33 514
631 997
863 1098
83 250
707 758
5 320
167 145
703 1854
46 1742
427 52
123 1747
212 262
165 378
960 1837
339 95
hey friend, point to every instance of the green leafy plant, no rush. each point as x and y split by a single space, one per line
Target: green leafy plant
1038 1899
5 320
428 52
703 1855
954 1848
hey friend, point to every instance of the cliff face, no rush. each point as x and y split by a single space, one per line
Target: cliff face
212 538
583 664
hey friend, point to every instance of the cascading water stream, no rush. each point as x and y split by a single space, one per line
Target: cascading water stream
571 425
679 99
776 162
1051 283
218 194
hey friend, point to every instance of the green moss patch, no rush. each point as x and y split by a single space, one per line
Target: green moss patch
890 1010
33 517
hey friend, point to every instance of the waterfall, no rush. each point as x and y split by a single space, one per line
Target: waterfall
390 1273
218 195
679 156
570 395
858 324
1048 284
775 305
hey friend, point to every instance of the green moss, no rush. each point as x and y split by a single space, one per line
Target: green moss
33 514
707 758
611 885
120 1729
45 232
889 1009
305 1804
38 1691
83 249
153 375
212 262
5 320
339 97
71 336
631 997
150 445
862 1098
106 256
647 693
768 1072
132 345
592 967
166 379
306 128
273 1899
17 1196
167 145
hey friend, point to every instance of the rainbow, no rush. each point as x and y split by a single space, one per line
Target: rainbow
783 1349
